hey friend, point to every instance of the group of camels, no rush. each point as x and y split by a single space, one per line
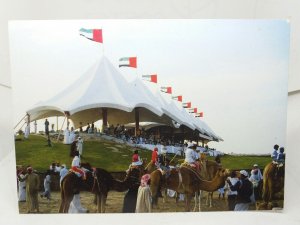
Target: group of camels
182 180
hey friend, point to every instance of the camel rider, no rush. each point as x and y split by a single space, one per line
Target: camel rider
275 153
154 158
136 160
191 156
281 156
76 165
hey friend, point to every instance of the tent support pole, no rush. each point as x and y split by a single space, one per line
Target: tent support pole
20 121
61 129
104 119
137 121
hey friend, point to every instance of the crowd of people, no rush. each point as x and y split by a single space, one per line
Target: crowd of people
242 188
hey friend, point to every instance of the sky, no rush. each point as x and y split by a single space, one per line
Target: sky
235 71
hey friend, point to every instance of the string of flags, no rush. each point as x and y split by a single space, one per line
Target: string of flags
96 35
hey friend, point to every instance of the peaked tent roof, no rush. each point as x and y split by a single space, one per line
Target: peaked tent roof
103 86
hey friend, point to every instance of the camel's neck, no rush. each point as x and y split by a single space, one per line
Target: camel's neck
120 185
212 185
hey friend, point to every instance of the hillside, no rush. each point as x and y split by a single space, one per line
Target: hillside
105 154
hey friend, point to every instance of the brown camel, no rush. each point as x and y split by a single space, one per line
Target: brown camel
100 182
273 181
187 181
208 170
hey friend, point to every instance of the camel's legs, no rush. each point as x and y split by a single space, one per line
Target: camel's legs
61 207
188 202
67 203
103 202
99 199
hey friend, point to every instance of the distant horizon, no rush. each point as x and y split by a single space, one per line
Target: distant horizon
235 71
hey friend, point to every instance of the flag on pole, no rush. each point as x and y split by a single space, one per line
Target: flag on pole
187 105
151 78
199 114
194 110
178 98
92 34
128 61
167 90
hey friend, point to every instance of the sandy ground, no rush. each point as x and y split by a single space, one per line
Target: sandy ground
115 203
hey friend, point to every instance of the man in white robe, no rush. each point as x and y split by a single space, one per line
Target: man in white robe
27 131
66 136
80 145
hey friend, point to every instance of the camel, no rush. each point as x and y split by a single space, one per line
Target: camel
208 171
188 181
273 181
100 182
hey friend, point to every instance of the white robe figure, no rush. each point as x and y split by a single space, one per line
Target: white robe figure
22 189
72 136
35 127
66 136
75 205
27 131
80 145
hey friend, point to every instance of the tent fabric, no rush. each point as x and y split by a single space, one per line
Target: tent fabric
103 86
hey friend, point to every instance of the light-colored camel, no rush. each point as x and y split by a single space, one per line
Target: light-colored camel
207 172
187 181
273 181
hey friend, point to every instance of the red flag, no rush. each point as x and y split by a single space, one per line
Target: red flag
128 61
166 90
187 105
92 34
178 98
151 78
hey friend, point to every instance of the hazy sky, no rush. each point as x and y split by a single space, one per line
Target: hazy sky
235 71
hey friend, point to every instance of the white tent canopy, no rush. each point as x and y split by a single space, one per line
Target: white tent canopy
104 87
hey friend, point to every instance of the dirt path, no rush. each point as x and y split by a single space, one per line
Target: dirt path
115 203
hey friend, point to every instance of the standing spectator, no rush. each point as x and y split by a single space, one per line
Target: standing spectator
80 127
275 153
231 195
35 127
67 136
218 159
93 127
73 148
27 131
87 128
46 127
244 189
256 178
32 188
80 146
71 135
47 182
63 172
143 203
22 187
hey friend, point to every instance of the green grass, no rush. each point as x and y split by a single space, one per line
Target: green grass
36 153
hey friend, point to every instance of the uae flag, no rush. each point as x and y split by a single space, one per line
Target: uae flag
178 98
194 110
128 61
92 34
187 105
199 114
167 90
151 78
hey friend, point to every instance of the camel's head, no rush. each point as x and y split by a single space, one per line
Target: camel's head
222 172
